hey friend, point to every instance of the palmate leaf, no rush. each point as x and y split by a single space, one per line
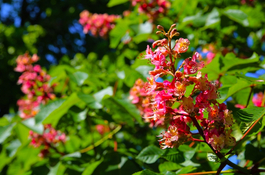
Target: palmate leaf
174 155
116 2
168 166
91 167
249 116
237 16
5 131
227 91
150 154
52 112
123 111
146 172
78 77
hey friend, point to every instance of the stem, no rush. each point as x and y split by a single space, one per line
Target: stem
182 64
101 140
220 168
56 150
197 140
211 172
249 129
219 155
170 56
251 89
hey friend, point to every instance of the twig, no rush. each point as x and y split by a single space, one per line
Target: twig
251 89
101 140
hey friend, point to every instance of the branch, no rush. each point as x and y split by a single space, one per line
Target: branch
101 140
249 129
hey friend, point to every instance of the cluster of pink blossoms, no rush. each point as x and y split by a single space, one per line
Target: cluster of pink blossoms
141 99
152 8
97 24
208 52
48 139
35 86
169 104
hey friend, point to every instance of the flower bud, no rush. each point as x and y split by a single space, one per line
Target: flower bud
174 33
159 27
158 32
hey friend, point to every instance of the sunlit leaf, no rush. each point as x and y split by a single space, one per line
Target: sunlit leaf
150 154
5 131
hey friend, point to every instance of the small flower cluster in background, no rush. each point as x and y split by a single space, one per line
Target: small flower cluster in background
207 53
35 85
49 138
37 91
258 100
169 103
152 8
97 24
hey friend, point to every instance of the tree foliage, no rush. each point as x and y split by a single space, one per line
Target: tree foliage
90 125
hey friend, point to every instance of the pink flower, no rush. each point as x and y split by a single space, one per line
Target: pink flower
191 66
182 45
258 99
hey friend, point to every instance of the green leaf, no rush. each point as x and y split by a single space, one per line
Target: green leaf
237 15
144 70
228 64
105 92
78 77
145 172
197 20
250 114
150 154
188 152
213 18
12 147
144 28
91 167
214 68
57 169
259 126
72 155
89 100
186 170
230 61
78 116
239 85
118 32
116 2
32 125
128 107
52 112
5 131
189 89
168 166
45 111
123 111
22 132
174 155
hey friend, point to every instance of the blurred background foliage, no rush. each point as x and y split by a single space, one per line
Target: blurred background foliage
94 76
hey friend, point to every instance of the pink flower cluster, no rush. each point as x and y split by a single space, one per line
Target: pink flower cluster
48 139
141 99
97 24
152 8
169 103
35 86
209 51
